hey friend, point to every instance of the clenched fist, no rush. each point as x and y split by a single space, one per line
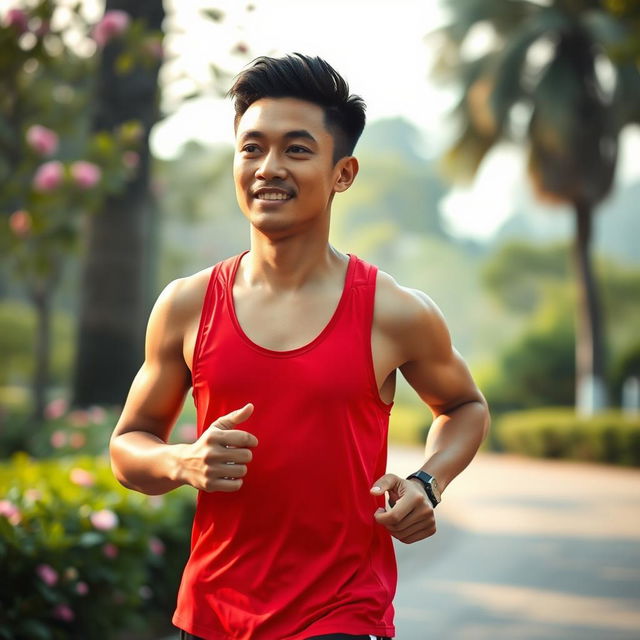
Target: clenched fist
218 459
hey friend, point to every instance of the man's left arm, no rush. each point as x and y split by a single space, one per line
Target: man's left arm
461 419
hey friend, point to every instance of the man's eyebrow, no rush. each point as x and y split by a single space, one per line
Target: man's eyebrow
289 135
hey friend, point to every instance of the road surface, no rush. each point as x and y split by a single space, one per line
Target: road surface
525 549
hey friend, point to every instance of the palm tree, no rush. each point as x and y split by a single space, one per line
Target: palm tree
549 76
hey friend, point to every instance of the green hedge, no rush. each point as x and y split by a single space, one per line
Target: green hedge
608 437
82 557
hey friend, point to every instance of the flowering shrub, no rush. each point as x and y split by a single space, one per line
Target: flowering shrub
82 557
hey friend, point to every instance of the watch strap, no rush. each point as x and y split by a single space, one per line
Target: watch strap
426 480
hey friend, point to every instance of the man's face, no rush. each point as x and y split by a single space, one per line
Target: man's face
283 165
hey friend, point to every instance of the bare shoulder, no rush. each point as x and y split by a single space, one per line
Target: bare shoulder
399 308
411 319
182 298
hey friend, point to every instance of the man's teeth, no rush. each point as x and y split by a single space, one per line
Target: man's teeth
273 196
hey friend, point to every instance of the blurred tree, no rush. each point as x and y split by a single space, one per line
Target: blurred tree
119 237
53 171
536 369
545 75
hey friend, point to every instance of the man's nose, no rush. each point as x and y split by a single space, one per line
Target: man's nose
271 166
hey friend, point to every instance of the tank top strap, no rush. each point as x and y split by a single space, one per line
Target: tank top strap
364 280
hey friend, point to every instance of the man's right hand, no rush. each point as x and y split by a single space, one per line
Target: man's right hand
217 460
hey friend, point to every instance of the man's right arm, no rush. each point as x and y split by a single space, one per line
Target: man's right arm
141 458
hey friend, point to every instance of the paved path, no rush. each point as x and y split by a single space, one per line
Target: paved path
525 549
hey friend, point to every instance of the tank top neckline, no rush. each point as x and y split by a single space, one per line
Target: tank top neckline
298 350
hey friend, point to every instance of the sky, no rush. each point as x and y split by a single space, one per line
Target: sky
379 46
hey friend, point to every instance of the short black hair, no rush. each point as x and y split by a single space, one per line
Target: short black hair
306 78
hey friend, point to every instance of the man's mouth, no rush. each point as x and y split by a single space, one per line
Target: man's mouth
272 194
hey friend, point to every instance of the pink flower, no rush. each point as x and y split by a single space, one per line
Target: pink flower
10 512
63 612
113 24
32 495
131 159
110 550
42 140
153 46
17 19
47 574
86 174
43 28
82 588
77 440
156 546
56 408
79 418
82 478
241 48
104 520
58 439
20 222
97 415
188 432
49 176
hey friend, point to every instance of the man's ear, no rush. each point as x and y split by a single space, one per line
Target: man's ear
347 169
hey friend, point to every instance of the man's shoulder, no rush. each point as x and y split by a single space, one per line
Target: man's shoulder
403 311
183 297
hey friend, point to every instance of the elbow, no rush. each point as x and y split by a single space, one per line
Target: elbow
116 469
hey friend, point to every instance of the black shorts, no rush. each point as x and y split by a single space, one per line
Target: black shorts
331 636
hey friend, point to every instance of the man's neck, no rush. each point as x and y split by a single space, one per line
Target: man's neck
290 263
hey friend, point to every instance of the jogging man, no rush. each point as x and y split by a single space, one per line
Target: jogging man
292 350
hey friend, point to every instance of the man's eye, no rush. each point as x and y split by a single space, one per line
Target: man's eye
250 148
296 148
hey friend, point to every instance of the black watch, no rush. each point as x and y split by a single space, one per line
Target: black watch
430 486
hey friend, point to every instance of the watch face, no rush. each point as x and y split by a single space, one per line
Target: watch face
436 489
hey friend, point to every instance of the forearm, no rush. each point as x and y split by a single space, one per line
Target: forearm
454 439
143 462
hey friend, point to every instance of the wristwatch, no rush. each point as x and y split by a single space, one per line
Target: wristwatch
430 486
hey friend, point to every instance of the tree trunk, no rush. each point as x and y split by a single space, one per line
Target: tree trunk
119 238
591 393
41 297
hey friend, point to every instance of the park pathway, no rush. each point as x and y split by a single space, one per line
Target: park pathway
525 550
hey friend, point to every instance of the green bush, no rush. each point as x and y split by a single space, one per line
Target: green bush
609 437
83 557
69 432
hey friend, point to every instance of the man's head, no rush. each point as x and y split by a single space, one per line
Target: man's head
305 78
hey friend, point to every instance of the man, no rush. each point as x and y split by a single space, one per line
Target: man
291 349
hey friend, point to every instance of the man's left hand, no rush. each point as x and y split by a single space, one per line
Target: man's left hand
410 516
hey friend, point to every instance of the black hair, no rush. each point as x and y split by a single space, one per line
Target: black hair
306 78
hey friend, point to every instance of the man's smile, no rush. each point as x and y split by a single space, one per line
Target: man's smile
272 193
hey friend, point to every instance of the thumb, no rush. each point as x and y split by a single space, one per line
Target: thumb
386 483
231 420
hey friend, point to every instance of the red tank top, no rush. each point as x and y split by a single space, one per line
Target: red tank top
295 552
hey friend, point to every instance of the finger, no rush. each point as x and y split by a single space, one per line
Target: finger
398 517
235 438
386 483
232 470
414 526
419 535
231 420
235 455
228 485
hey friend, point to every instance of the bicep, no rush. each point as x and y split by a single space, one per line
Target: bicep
433 367
158 391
